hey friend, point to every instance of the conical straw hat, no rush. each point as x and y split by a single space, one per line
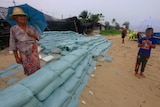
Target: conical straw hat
18 11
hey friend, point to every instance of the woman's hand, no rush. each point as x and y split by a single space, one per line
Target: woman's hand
31 35
18 60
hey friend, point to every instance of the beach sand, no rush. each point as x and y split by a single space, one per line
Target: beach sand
114 84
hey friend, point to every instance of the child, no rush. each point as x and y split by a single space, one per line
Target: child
124 32
145 45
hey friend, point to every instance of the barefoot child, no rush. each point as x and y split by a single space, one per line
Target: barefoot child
145 45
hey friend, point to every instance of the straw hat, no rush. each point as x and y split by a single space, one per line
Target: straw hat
18 11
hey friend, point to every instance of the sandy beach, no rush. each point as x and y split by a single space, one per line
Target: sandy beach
114 83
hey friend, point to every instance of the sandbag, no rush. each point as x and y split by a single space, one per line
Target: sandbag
80 89
79 52
104 53
74 101
69 58
58 98
79 71
109 58
2 71
64 53
59 66
78 61
83 76
33 103
92 62
71 85
66 74
12 66
49 89
56 50
39 80
86 67
90 70
85 62
12 80
86 79
10 73
15 96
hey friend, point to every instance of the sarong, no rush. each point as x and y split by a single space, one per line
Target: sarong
31 63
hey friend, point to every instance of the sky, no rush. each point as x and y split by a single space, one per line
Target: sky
134 11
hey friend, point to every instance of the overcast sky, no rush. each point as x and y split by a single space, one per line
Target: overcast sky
133 11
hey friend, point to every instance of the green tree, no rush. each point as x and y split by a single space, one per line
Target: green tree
95 17
126 24
84 15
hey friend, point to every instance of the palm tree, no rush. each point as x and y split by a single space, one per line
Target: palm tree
84 15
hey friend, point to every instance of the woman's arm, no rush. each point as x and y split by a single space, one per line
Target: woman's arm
32 35
18 59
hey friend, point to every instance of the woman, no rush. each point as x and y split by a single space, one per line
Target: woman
23 42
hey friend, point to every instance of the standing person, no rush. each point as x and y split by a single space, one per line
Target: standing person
138 35
23 42
124 32
145 45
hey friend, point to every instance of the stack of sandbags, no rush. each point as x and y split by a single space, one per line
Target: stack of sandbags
58 83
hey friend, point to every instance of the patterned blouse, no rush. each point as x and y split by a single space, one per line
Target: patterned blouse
19 39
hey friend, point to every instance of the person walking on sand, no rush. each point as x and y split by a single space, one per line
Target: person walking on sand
124 32
23 42
145 45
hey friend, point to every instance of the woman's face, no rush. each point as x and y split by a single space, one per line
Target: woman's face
21 19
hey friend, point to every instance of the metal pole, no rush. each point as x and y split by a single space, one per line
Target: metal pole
14 2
